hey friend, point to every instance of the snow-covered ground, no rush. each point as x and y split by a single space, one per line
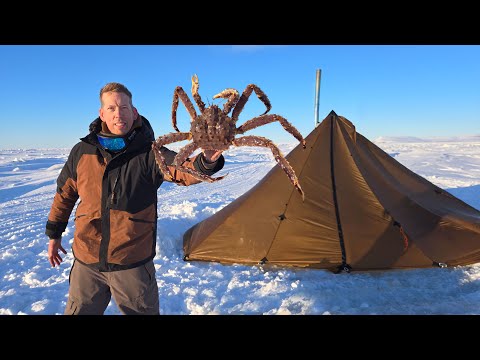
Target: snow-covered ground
29 285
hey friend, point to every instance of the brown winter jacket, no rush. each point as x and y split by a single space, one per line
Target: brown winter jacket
115 230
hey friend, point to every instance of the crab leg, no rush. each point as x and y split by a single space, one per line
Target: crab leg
266 119
232 96
245 95
183 155
199 176
196 95
163 140
261 141
180 93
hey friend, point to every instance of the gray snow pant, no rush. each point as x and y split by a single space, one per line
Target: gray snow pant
135 291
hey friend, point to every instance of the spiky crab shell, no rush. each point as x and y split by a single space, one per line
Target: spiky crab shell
213 130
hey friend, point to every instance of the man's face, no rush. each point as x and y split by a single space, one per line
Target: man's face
117 112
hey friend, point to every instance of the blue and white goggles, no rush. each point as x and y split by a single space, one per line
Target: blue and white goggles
115 143
112 143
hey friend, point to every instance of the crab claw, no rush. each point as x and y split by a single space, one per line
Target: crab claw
194 83
218 178
200 176
207 178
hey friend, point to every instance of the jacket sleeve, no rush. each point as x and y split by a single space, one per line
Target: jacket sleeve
64 200
197 163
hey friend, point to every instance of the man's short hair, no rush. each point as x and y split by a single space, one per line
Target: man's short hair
115 87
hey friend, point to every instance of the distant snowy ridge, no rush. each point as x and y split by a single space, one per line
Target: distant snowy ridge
285 148
413 139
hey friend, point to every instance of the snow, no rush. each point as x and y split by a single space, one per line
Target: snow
29 285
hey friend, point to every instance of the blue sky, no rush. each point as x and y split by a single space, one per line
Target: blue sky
49 94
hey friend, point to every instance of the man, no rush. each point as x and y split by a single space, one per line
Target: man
113 172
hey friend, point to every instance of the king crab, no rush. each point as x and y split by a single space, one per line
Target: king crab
213 129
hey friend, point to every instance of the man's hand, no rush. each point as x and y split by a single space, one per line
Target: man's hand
53 256
212 155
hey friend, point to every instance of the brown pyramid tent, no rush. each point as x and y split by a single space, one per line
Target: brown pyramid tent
363 210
